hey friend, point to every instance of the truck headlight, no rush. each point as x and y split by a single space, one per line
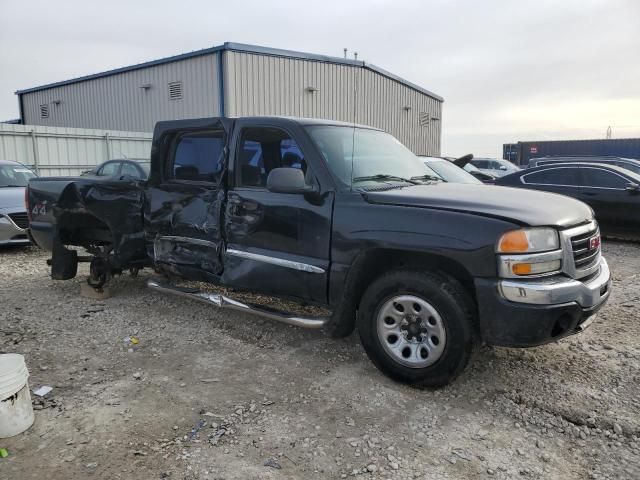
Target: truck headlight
529 240
529 252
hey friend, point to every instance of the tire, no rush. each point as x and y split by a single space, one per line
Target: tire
436 325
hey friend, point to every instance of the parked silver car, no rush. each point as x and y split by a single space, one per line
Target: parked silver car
494 166
14 222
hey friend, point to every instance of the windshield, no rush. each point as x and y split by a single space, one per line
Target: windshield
359 157
15 175
451 173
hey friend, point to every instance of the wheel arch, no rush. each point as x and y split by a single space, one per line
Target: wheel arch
374 262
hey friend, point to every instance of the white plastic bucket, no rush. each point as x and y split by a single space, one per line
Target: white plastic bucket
16 412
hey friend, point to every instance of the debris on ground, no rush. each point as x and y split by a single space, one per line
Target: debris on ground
215 437
272 463
196 429
42 391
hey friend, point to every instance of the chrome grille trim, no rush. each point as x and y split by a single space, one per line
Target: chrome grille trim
578 261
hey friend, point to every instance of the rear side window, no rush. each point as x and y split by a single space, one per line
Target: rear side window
130 170
632 167
569 176
199 157
597 177
109 169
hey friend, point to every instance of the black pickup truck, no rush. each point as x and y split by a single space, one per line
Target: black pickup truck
340 217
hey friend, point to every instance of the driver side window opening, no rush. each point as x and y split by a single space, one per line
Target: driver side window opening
262 149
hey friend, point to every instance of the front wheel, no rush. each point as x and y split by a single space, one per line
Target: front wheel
417 327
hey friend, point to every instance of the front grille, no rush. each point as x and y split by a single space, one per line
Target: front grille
20 219
585 253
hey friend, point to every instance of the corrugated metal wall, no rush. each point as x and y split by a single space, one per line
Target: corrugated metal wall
271 85
255 84
118 102
54 151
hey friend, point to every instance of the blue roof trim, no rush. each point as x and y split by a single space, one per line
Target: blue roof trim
240 47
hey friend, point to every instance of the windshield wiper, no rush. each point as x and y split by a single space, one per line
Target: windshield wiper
384 176
432 178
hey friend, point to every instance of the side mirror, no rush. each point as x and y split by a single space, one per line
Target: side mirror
287 180
632 188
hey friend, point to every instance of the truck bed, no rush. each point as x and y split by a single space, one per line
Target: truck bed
98 215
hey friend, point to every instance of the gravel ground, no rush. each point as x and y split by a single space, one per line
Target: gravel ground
209 394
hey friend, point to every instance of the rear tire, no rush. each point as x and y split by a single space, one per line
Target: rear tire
417 327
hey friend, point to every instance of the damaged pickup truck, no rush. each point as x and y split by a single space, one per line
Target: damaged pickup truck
342 217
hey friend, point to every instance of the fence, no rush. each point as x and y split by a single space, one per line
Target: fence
54 151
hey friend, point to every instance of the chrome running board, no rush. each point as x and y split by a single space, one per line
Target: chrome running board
221 301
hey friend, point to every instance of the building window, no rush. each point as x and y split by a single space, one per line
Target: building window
175 90
44 111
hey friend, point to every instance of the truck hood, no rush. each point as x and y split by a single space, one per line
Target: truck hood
525 207
12 199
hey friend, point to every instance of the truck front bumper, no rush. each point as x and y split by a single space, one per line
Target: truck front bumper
525 313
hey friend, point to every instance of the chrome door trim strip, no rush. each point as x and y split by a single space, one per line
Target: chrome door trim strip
281 262
195 241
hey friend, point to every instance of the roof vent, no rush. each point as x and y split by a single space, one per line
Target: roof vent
44 111
175 90
424 119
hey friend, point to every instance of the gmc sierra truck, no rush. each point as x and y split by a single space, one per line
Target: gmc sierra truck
342 217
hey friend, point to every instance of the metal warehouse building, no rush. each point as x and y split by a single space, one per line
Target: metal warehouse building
240 80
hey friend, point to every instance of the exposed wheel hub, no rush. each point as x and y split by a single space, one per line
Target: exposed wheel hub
411 331
412 328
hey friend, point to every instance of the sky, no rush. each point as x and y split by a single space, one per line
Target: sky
508 70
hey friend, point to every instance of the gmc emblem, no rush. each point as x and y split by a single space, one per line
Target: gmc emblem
594 243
